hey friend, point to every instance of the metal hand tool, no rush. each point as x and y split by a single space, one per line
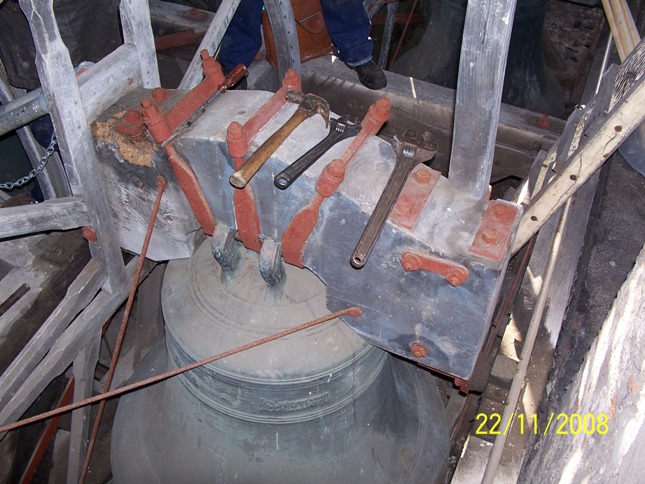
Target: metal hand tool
309 105
408 156
340 129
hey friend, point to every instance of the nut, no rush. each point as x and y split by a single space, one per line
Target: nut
490 236
418 350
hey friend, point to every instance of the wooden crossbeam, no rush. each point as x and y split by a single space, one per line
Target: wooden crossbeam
602 137
60 214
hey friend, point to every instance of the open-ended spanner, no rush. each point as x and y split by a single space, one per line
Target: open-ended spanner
408 155
340 129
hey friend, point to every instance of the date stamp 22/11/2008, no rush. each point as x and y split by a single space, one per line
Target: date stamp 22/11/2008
561 424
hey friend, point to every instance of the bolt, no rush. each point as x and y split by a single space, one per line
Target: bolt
500 210
133 116
410 262
490 236
456 276
421 176
418 350
544 122
158 94
89 234
404 205
618 128
146 103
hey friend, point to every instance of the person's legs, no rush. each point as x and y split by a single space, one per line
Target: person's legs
349 28
243 38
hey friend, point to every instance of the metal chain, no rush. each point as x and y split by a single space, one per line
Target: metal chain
34 172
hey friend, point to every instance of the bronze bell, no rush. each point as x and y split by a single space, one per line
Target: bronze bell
319 406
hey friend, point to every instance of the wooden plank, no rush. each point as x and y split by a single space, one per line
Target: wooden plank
84 367
60 214
74 136
211 41
484 48
137 32
68 345
610 130
79 295
174 17
114 76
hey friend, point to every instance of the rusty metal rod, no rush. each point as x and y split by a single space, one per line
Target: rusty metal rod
351 311
161 185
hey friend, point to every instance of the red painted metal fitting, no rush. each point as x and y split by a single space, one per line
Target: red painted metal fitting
422 177
155 121
500 210
331 177
456 276
454 273
490 236
238 145
380 110
195 14
292 80
89 234
404 205
210 67
462 384
131 124
159 94
544 122
133 116
418 350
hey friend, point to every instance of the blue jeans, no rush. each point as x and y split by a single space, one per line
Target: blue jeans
346 20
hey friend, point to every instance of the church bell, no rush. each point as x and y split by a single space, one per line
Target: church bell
319 406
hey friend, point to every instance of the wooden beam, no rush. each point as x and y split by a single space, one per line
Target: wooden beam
60 214
175 17
137 32
75 139
604 136
84 367
66 348
114 76
484 48
78 296
211 41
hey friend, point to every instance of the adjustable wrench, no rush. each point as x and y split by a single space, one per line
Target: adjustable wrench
340 129
408 155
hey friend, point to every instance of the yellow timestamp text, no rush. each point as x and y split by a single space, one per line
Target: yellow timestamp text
560 424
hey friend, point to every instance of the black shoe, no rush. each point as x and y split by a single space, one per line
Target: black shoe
370 75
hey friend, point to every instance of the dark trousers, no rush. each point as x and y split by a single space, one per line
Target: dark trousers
346 22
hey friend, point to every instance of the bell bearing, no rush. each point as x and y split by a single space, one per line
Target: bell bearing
318 405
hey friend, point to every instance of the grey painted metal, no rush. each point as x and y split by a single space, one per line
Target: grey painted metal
318 406
403 307
60 214
58 80
484 48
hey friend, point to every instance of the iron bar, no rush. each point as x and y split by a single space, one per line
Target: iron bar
351 311
161 185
